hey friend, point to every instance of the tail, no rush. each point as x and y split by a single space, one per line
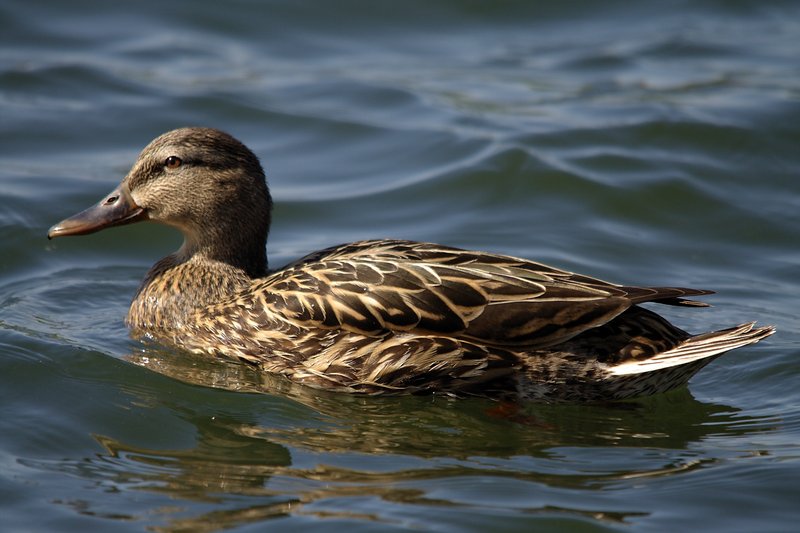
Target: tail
706 346
673 368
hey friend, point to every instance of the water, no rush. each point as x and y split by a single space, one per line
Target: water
652 144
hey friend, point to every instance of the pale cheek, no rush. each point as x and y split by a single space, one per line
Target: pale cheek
140 199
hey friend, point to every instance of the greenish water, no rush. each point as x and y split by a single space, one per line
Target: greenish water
649 143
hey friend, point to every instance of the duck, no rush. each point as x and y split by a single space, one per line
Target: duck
383 316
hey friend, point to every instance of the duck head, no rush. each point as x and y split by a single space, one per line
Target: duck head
201 181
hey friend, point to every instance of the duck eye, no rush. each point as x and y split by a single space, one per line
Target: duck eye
173 161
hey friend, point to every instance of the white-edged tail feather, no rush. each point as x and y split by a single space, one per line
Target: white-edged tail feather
704 346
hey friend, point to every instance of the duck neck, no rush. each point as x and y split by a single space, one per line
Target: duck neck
239 256
239 246
209 268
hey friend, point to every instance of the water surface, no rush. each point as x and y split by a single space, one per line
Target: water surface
647 144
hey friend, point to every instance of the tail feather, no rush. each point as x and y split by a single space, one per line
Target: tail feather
667 295
696 348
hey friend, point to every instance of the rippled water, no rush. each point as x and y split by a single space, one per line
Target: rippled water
647 143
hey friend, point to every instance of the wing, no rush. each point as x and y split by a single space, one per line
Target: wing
373 287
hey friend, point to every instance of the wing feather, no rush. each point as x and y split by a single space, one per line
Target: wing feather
374 287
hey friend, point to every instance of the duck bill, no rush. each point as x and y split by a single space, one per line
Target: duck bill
116 209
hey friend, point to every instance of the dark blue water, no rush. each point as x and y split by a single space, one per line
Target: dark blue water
651 143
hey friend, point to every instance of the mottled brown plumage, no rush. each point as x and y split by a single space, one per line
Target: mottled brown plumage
383 316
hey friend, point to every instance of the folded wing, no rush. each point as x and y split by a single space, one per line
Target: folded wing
377 287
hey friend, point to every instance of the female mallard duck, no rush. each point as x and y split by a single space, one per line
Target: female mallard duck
385 315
